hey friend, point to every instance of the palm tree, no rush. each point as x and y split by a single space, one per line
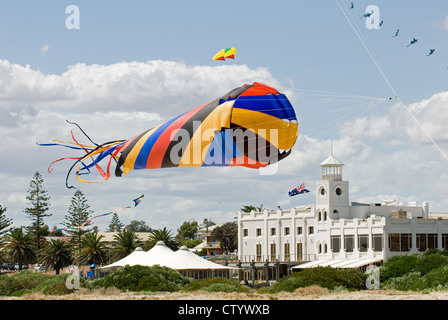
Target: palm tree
162 235
19 247
250 208
124 244
92 249
56 254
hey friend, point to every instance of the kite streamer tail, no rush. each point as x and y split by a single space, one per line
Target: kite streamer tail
95 153
136 203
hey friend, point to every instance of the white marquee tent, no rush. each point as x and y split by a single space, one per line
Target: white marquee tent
130 259
186 262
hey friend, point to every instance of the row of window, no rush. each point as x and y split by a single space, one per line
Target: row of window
363 243
286 252
402 242
273 231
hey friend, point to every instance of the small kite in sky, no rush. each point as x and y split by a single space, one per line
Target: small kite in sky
413 41
228 53
136 203
431 51
396 33
352 6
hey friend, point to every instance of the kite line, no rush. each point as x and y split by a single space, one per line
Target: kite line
387 80
136 203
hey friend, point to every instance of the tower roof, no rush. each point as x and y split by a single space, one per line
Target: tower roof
332 161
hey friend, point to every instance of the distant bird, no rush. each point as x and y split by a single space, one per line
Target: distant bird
352 6
413 41
431 51
396 33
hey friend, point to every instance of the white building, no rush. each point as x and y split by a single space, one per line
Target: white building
336 232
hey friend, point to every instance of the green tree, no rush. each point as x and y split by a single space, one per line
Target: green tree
207 223
4 222
162 235
124 244
138 226
254 208
187 231
56 254
115 223
227 235
38 206
19 247
79 214
93 250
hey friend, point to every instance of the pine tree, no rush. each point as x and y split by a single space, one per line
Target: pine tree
38 206
79 214
115 223
4 222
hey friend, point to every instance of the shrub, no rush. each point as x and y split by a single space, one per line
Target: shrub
141 278
430 262
56 285
216 284
410 281
399 266
27 281
325 277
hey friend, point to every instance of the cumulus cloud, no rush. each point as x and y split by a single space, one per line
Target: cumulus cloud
385 155
165 87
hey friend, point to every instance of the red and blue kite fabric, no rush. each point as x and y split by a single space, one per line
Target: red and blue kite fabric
299 190
250 126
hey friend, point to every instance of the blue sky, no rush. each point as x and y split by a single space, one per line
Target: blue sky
295 44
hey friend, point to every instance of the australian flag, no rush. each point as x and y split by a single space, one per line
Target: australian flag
299 190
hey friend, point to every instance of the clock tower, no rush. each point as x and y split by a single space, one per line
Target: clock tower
332 193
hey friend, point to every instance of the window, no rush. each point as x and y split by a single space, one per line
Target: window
338 191
311 230
322 191
324 213
426 241
273 231
444 241
258 232
287 253
349 242
335 243
400 242
286 231
319 216
363 242
245 232
273 251
258 251
299 230
299 252
377 240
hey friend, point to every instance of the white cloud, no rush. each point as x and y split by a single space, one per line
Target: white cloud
44 49
385 156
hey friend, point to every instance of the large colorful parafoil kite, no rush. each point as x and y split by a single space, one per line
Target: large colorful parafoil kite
251 126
